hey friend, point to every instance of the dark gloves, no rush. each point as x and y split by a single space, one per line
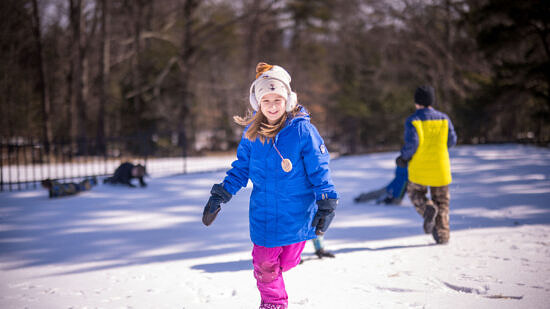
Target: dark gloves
401 162
218 195
324 215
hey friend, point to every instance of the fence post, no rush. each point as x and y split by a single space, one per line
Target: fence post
62 143
9 166
33 164
41 160
80 155
105 151
25 169
146 141
17 165
186 153
48 154
1 164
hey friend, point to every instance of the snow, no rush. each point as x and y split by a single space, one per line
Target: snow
117 247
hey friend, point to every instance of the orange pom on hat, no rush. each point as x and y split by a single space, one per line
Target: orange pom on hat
262 67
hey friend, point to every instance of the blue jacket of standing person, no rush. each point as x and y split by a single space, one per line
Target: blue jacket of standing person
282 205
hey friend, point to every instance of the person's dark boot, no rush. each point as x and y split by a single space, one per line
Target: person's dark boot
440 239
321 253
429 219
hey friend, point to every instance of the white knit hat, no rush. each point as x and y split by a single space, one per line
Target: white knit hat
275 80
268 85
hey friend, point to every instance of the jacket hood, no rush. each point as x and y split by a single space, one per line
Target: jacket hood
303 114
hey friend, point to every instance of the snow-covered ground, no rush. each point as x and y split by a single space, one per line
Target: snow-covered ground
116 247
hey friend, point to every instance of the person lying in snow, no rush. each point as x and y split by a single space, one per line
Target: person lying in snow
393 193
319 246
125 173
58 189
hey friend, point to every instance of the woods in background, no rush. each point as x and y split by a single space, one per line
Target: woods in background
90 69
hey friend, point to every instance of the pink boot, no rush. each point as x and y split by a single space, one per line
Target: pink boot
272 306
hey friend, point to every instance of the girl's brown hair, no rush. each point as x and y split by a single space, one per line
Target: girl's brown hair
258 122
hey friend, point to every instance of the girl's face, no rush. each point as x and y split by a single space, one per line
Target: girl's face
273 107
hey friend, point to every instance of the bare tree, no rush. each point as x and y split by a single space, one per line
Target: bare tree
44 95
78 112
104 72
80 47
187 53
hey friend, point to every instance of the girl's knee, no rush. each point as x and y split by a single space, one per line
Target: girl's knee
267 272
289 265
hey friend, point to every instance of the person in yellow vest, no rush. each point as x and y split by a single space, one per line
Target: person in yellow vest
429 134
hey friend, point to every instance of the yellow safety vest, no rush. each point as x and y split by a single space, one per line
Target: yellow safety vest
430 164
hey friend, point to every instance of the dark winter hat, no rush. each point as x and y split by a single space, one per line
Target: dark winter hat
424 95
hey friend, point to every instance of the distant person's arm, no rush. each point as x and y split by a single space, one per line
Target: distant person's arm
411 144
451 139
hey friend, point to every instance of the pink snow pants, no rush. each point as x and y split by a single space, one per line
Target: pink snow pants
269 263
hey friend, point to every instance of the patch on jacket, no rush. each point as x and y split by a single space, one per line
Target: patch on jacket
322 148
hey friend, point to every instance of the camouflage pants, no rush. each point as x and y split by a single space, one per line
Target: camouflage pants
440 198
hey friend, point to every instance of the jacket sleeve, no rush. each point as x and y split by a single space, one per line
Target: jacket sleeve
451 139
316 161
237 176
411 141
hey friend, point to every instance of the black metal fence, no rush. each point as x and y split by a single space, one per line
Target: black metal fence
25 162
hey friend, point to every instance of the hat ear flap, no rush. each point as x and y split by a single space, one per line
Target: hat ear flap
252 98
292 101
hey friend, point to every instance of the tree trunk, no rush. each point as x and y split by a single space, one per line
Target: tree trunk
187 52
447 58
78 129
44 96
104 73
69 99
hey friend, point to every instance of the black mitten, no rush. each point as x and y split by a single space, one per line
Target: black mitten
218 195
401 162
324 215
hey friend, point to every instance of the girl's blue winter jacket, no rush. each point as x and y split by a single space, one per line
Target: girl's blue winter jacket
282 205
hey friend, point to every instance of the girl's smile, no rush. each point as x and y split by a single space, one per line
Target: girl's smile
272 107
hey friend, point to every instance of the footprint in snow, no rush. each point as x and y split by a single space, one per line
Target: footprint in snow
482 292
399 290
